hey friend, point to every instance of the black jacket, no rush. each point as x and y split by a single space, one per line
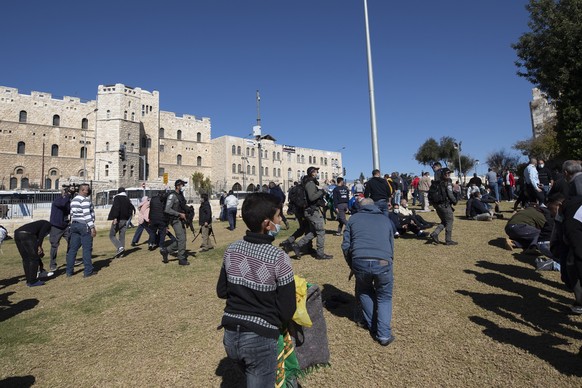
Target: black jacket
377 188
157 214
122 208
204 213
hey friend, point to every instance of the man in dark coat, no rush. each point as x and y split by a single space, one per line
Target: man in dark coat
28 239
121 211
205 222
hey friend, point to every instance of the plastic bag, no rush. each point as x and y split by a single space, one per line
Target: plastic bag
301 316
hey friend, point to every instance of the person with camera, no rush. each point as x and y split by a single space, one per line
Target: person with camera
176 210
314 215
59 219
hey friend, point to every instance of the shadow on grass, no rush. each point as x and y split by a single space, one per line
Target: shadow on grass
338 302
498 242
18 382
532 308
10 281
9 310
231 373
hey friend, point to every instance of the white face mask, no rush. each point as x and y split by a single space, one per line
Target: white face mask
276 231
542 165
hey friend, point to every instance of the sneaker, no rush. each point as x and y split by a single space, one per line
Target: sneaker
45 274
396 235
78 262
337 234
134 244
164 256
89 275
547 265
120 251
53 268
184 262
422 233
386 342
451 243
509 244
35 284
434 238
324 257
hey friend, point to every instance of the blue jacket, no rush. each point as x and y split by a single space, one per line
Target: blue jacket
60 210
369 234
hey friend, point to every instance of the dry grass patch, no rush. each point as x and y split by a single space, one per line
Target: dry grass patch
473 314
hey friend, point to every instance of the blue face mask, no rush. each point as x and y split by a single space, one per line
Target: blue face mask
276 231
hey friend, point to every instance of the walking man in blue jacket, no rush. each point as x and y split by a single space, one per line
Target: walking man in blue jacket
368 247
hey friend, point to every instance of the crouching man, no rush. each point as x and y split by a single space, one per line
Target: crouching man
368 248
256 279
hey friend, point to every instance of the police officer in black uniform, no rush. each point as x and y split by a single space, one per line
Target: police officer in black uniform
341 197
176 209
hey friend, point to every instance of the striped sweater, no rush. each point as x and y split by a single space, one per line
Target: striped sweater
257 282
82 211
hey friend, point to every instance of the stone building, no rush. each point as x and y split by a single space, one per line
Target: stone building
236 163
542 112
47 142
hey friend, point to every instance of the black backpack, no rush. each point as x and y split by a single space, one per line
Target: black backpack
298 197
437 193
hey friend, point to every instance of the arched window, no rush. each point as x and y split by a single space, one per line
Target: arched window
234 150
248 151
107 146
179 134
53 173
278 156
56 120
54 150
24 183
198 137
253 152
132 116
302 158
238 150
248 169
125 115
274 154
267 171
240 170
22 117
106 170
13 183
161 134
289 174
108 113
179 160
81 173
83 153
234 167
47 183
21 148
254 172
199 161
236 187
19 171
84 123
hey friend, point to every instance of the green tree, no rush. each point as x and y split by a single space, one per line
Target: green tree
502 160
550 57
544 147
430 151
201 184
362 177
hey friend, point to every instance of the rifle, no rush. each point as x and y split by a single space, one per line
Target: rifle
189 221
200 232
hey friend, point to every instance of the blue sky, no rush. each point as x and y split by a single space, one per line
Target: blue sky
441 68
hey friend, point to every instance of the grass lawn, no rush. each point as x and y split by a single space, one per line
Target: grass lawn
468 315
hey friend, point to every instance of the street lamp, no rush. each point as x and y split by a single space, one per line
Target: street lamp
143 158
258 138
458 148
476 165
375 153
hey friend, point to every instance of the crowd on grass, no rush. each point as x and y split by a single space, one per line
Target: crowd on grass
257 279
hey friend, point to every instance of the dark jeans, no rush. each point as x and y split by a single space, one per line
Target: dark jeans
27 247
257 355
374 285
523 234
80 237
231 214
138 232
342 208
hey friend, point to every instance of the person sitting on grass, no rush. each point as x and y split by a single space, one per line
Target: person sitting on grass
410 221
550 262
477 209
256 279
523 228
